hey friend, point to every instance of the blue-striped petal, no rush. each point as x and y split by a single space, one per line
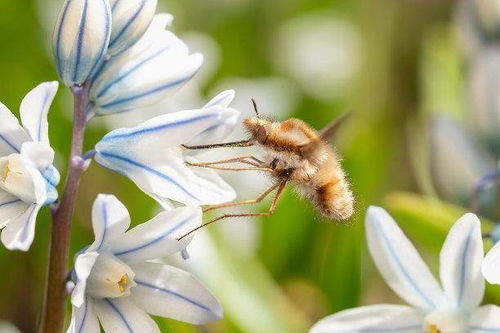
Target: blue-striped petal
169 292
122 315
381 318
10 207
81 39
145 74
12 135
34 109
460 263
399 262
149 155
130 21
84 318
110 219
157 238
19 233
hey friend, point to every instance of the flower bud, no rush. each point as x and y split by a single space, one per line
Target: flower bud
81 39
131 19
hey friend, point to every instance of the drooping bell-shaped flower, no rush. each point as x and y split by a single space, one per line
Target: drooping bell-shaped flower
81 39
450 308
118 285
151 155
28 179
148 71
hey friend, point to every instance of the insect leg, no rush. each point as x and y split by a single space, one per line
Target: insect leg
243 143
231 168
225 216
242 159
245 202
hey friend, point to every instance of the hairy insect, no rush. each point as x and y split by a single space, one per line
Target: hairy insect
293 153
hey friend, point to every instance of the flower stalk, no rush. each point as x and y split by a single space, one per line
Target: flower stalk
52 319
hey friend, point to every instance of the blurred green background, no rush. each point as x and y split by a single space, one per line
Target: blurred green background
399 65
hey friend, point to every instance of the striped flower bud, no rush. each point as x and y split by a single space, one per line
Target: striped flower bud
81 39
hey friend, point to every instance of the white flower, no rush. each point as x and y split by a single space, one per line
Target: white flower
150 154
81 39
491 264
118 285
145 73
452 308
130 21
27 177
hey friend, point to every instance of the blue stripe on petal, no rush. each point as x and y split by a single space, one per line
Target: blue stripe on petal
58 42
401 267
147 93
4 139
401 329
173 293
128 24
158 239
113 136
104 46
40 120
463 268
115 308
9 203
131 70
484 329
104 212
84 316
149 170
79 46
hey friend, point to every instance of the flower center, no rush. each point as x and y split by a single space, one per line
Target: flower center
110 278
16 179
445 321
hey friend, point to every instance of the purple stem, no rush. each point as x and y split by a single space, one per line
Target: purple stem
52 319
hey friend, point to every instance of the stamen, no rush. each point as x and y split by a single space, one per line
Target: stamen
431 328
122 283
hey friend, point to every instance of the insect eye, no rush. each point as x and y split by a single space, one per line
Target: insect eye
261 134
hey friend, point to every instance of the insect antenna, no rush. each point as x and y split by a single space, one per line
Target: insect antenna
255 108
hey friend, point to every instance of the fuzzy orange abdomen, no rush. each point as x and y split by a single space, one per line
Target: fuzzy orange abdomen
335 200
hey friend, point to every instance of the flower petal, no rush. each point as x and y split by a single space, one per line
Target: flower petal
83 266
485 319
460 260
84 318
110 220
34 109
81 39
376 318
169 130
491 265
10 207
169 292
228 121
12 135
399 262
41 154
19 233
142 153
157 238
131 19
132 79
122 315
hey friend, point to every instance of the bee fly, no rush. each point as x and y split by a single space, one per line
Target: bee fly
295 153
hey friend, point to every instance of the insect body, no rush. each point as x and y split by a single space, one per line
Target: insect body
297 153
293 153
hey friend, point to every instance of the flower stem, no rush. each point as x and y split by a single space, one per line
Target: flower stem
52 319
